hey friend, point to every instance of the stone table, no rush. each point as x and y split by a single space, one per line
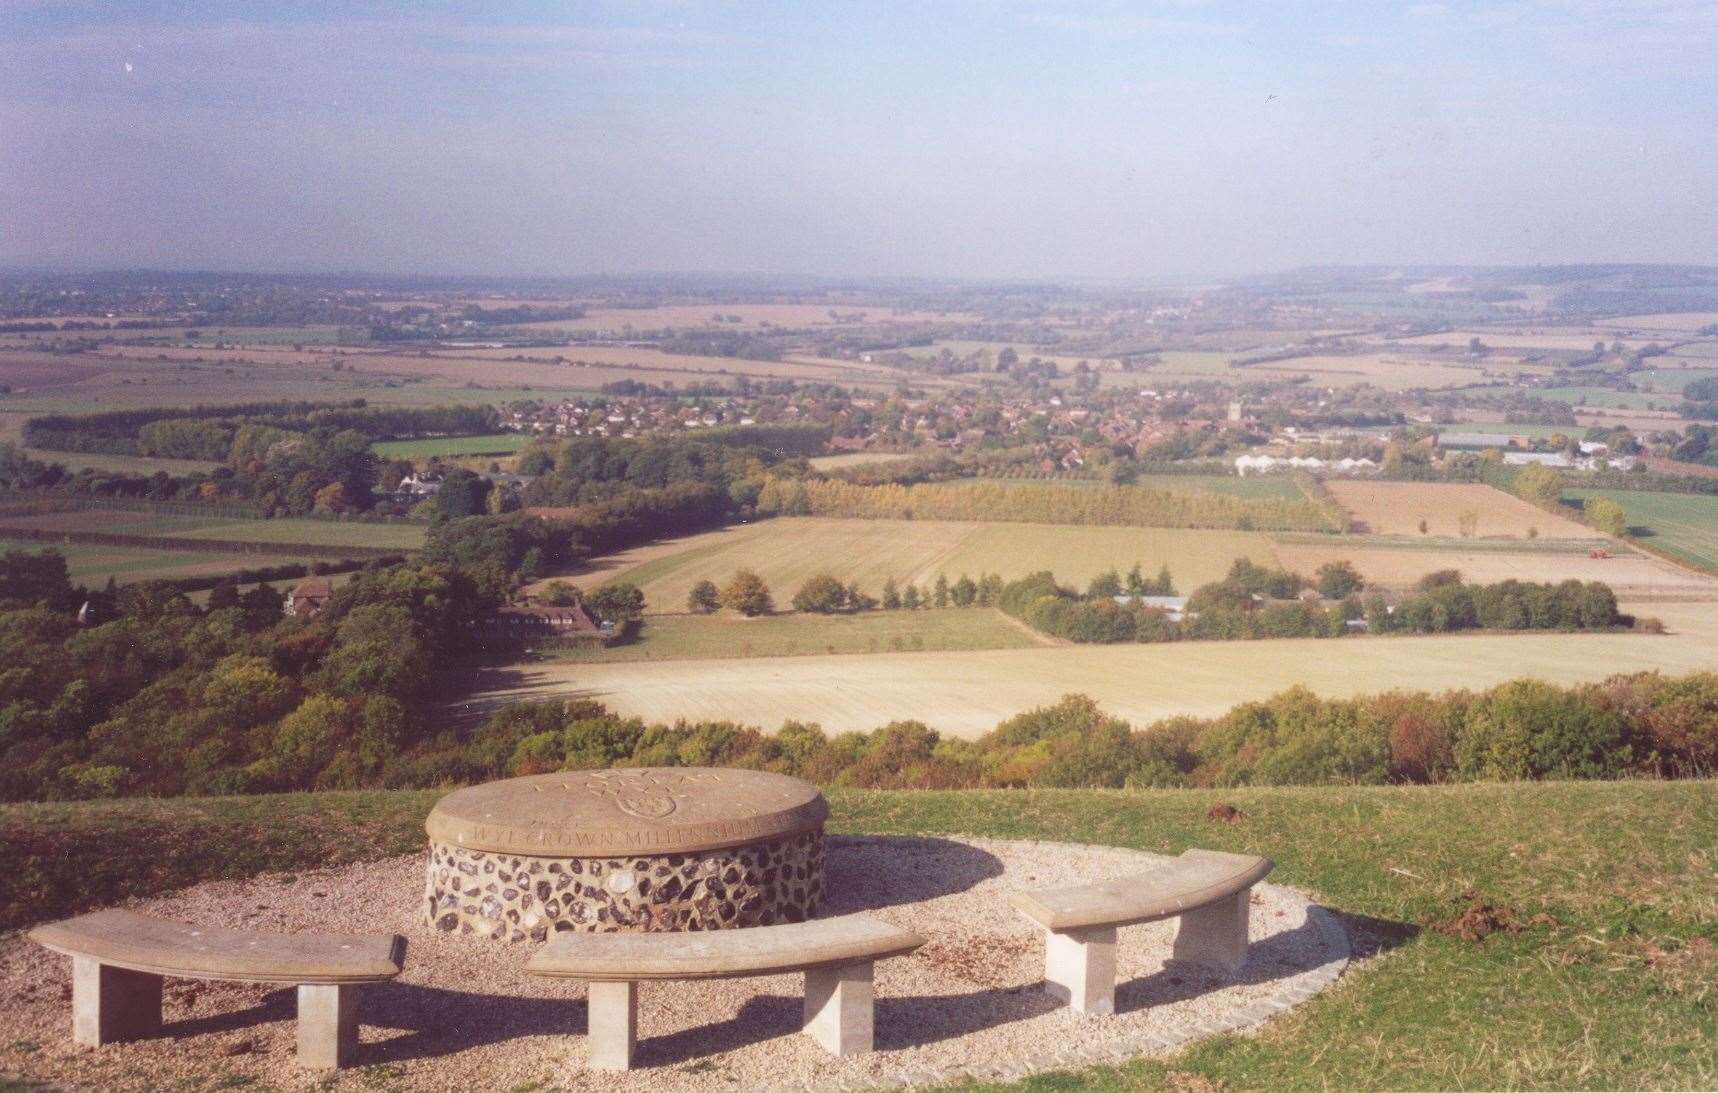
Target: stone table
648 848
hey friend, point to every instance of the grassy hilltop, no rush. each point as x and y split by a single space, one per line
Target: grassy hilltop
1526 935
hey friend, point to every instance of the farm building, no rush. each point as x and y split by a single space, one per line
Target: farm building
1270 464
308 597
1173 606
536 622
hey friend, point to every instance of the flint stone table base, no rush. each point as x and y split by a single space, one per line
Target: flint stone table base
639 850
513 898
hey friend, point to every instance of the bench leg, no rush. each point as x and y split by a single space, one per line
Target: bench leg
327 1025
111 1005
1080 968
839 1013
611 1024
1215 934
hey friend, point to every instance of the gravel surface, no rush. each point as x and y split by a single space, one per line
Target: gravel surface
465 1016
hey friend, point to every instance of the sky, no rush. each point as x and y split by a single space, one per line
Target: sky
1139 142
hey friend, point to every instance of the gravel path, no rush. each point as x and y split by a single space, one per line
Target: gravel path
465 1016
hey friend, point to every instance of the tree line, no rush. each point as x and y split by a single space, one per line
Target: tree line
1642 725
1126 506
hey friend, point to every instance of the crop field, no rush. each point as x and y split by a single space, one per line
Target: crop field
1688 321
92 565
1397 508
1605 396
786 551
967 693
706 637
325 532
1684 525
1673 380
493 444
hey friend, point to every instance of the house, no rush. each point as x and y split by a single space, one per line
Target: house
537 622
309 597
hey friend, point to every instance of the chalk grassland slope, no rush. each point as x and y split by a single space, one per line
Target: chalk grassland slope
966 694
494 443
706 637
1683 525
321 532
1396 508
787 550
1606 992
92 565
1399 563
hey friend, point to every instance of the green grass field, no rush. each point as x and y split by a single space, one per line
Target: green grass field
331 533
92 565
786 551
1607 982
492 444
706 637
1683 525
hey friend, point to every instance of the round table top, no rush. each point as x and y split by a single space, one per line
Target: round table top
623 813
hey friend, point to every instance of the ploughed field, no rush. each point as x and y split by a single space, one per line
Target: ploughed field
1397 508
968 693
788 550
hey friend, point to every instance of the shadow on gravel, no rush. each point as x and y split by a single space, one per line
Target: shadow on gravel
918 869
443 1022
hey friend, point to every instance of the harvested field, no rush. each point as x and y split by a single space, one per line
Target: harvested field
1400 564
1397 508
1687 321
855 459
705 637
787 550
967 694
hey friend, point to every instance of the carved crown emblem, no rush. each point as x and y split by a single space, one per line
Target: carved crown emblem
648 796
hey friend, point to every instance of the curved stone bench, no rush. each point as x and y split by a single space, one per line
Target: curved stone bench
836 955
1207 889
119 959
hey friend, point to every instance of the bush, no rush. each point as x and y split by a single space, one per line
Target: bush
822 595
748 594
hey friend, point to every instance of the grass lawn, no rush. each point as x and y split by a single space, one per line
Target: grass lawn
702 637
492 444
1683 525
1607 983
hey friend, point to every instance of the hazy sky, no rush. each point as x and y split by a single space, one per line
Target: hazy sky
974 139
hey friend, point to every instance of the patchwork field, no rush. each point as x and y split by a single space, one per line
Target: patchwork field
1684 525
786 551
322 532
1397 508
966 694
705 637
91 565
